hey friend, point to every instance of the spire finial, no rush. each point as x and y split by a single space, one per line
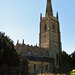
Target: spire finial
17 41
36 44
23 41
49 11
40 16
57 16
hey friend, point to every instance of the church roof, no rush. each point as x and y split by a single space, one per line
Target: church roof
39 58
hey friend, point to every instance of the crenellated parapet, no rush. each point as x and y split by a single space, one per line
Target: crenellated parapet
31 50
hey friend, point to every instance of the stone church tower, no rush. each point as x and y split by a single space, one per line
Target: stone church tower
41 59
49 36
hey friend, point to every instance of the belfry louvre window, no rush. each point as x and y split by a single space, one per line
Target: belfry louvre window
45 27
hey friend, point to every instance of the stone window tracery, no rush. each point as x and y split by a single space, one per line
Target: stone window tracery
35 52
28 51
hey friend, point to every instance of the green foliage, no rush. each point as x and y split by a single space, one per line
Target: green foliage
72 72
73 60
63 62
58 59
8 54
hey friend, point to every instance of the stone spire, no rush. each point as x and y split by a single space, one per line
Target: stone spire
49 11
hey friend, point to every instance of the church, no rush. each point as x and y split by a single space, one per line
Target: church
41 59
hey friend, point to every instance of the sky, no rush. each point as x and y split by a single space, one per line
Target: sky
20 19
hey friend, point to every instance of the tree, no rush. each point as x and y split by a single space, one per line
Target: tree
66 62
63 62
58 61
8 54
73 60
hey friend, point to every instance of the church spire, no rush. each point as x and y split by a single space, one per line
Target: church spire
49 11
